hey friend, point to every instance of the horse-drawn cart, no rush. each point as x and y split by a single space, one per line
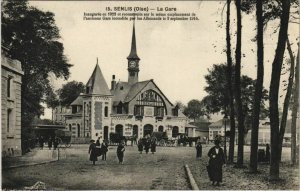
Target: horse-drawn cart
64 137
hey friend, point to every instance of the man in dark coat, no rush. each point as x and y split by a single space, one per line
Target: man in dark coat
199 150
216 161
41 142
50 143
56 142
140 146
267 159
153 146
93 152
104 149
147 146
120 152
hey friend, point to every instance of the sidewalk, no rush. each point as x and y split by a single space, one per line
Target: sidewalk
35 157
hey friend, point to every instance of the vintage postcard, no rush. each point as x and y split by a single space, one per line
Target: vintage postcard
140 95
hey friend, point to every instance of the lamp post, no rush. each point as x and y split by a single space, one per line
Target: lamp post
225 149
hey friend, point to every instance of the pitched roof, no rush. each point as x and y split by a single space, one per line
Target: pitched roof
125 92
218 123
77 101
97 83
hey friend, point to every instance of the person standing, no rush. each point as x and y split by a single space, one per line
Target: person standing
55 142
140 146
153 146
199 150
215 164
120 152
41 142
104 148
267 153
98 149
93 152
50 143
147 146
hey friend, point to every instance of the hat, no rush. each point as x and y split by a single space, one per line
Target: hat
92 140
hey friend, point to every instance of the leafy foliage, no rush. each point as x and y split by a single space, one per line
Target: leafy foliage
194 109
33 38
217 99
70 91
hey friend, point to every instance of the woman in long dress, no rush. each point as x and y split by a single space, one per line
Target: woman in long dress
120 152
93 152
215 164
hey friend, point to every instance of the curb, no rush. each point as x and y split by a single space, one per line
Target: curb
191 178
25 165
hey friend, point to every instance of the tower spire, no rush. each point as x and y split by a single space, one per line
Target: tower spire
133 52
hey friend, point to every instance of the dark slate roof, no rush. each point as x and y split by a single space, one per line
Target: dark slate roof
97 83
133 53
77 101
124 92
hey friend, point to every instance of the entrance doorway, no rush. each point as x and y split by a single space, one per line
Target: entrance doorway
105 132
175 131
135 130
119 130
148 129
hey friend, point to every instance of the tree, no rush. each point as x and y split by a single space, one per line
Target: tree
238 99
180 105
274 90
70 91
229 85
194 109
33 38
218 96
294 113
258 86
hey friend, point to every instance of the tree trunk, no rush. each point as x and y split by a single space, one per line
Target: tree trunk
229 83
294 113
287 96
258 87
274 88
240 115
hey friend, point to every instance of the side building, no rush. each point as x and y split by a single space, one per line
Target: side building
128 108
11 80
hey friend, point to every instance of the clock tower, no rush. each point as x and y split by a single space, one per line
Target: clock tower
133 61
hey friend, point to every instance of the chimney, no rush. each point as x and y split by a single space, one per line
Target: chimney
113 82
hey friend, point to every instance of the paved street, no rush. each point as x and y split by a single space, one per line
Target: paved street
163 170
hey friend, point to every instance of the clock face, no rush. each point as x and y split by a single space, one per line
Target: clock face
132 64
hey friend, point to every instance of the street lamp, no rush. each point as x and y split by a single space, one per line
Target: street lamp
225 149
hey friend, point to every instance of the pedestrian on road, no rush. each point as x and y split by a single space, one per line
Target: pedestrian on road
55 142
153 146
199 150
50 143
267 153
98 148
41 142
216 161
147 146
120 152
104 148
92 152
140 146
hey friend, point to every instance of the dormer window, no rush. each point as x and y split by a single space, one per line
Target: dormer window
175 110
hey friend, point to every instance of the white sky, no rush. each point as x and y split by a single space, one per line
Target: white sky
175 54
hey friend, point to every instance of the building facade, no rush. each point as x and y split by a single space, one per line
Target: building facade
11 80
128 108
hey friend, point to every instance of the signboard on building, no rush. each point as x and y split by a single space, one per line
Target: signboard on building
148 111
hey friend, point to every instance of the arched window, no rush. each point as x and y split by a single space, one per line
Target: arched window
161 129
175 131
105 111
119 129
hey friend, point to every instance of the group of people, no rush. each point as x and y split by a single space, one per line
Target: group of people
96 150
146 144
51 141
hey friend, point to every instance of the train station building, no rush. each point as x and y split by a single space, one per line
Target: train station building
128 108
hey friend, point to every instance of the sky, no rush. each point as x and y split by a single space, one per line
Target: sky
177 55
